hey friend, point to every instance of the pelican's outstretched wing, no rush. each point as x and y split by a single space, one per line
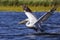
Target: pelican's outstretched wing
44 17
26 8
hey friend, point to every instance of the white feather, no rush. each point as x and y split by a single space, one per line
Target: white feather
32 19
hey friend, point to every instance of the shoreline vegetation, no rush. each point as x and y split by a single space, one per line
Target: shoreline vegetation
33 8
35 5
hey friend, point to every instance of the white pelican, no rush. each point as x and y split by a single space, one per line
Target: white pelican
32 21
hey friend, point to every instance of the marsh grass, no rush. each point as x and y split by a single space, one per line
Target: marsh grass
29 2
33 8
35 5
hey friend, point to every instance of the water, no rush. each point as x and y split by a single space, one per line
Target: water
11 30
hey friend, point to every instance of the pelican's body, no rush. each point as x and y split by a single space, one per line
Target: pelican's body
31 19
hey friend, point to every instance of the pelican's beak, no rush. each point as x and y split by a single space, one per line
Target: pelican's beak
23 22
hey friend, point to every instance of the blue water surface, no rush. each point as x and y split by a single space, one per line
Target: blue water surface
10 29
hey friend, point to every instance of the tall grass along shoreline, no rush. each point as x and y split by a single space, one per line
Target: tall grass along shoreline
35 5
33 8
29 2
